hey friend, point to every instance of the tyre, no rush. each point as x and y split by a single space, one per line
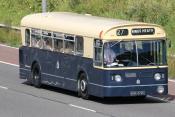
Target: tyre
29 80
36 76
83 86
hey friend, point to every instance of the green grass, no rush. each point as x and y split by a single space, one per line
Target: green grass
171 67
161 12
10 37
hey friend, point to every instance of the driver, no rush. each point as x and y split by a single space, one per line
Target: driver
109 55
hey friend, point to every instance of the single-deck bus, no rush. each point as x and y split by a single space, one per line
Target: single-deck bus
93 55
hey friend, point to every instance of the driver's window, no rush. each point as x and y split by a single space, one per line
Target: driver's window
109 54
98 52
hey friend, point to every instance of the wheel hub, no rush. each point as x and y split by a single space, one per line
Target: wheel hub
35 77
83 85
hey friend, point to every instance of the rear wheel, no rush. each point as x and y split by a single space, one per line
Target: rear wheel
36 76
29 80
83 86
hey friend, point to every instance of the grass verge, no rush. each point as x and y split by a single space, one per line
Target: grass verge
10 37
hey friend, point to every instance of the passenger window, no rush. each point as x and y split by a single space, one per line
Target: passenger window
79 45
46 40
36 38
27 37
69 44
58 45
58 41
98 52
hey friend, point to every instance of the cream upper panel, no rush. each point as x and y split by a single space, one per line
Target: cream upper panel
73 23
156 32
23 35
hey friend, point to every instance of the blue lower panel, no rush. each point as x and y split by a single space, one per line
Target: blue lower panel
126 91
24 73
58 81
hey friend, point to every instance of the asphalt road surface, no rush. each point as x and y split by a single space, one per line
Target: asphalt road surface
18 99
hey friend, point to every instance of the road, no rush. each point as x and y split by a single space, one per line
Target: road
18 99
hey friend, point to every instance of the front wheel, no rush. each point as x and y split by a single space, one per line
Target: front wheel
83 86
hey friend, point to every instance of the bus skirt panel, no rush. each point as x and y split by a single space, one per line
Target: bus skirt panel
125 91
24 73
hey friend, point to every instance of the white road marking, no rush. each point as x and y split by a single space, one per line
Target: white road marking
2 87
80 107
9 64
157 98
8 46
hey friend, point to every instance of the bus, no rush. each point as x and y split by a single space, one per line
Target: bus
93 56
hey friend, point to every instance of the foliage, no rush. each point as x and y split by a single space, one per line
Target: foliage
9 37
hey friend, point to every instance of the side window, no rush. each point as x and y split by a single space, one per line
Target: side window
36 38
58 41
46 40
27 37
69 43
79 45
98 44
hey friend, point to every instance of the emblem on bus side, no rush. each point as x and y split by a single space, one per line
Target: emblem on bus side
58 65
137 81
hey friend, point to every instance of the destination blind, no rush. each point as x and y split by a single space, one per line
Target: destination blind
143 31
136 31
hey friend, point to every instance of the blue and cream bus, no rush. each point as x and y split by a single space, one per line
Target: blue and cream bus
93 55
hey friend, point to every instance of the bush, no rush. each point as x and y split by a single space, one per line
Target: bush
153 11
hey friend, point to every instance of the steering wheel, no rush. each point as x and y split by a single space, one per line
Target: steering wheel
151 63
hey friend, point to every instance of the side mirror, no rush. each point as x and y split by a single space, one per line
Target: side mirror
169 43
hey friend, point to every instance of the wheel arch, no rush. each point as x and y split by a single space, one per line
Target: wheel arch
34 63
80 71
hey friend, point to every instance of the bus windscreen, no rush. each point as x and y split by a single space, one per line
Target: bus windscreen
134 53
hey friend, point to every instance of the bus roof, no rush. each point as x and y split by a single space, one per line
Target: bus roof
78 24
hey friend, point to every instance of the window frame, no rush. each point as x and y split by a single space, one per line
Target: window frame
35 32
69 40
49 37
38 34
79 52
94 55
160 52
60 37
26 38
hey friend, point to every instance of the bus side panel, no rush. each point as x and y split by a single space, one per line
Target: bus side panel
68 66
47 60
24 69
96 77
59 69
72 65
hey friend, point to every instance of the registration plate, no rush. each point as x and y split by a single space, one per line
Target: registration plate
137 93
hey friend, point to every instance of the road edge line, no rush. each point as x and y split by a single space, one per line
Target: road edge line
9 64
2 87
171 80
8 46
83 108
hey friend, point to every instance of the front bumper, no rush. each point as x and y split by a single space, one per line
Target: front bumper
127 90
